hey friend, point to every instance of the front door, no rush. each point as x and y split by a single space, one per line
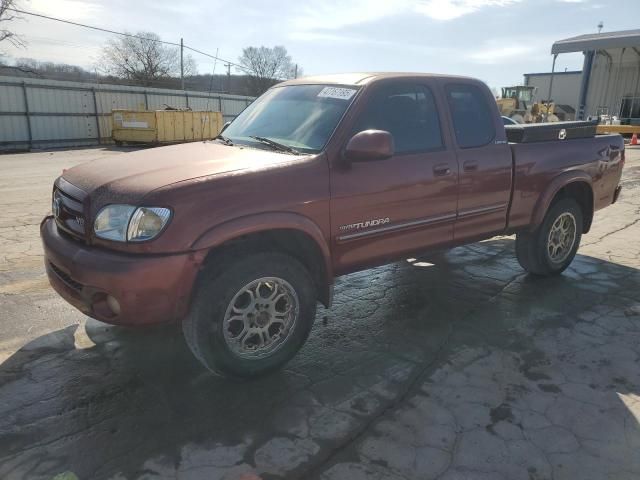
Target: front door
383 209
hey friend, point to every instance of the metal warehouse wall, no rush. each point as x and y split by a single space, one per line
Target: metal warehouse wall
49 113
613 76
566 86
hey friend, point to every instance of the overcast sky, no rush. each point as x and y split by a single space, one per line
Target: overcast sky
495 40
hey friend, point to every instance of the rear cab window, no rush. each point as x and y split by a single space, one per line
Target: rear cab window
471 115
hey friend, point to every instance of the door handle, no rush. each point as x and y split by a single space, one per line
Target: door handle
470 166
441 170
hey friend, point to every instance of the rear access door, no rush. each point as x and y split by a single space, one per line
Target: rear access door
484 158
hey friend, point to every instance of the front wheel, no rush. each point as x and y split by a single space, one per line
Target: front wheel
251 317
550 249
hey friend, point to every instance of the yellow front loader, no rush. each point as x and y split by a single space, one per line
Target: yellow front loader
517 103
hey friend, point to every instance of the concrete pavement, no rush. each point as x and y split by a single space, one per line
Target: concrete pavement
453 367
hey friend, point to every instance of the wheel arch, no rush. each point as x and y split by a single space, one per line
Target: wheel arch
576 185
289 233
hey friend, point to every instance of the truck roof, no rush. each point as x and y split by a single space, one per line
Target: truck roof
362 78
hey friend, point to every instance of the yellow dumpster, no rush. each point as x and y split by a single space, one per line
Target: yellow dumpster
163 126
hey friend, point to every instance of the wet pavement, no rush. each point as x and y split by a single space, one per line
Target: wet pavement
455 366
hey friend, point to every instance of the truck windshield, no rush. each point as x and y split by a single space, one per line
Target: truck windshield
301 117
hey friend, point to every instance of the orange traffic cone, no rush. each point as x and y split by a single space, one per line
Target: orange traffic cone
634 139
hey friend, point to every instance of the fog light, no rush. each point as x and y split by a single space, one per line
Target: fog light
114 305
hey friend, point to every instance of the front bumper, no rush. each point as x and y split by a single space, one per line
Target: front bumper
149 289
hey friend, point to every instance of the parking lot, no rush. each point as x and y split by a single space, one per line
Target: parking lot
452 366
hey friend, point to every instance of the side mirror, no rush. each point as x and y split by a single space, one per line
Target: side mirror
224 127
369 145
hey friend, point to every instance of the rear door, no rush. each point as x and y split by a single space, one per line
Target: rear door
484 158
383 209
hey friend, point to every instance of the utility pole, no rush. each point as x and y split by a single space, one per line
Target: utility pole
228 65
295 74
182 63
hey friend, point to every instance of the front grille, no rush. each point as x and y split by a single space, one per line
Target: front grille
69 213
70 282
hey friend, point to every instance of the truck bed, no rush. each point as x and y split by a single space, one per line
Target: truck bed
599 159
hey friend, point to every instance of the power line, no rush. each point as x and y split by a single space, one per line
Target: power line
100 29
91 27
36 39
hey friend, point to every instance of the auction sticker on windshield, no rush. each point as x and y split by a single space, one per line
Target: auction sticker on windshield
335 92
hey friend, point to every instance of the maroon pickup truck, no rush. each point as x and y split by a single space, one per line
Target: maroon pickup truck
239 238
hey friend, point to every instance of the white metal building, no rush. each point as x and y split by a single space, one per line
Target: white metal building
611 73
566 86
36 113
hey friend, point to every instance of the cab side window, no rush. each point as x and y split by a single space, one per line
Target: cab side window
409 113
471 115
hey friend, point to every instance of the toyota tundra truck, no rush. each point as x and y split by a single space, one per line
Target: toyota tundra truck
239 238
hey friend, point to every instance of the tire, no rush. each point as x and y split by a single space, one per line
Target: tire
214 330
535 250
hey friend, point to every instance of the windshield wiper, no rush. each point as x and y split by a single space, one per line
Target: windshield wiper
225 140
276 145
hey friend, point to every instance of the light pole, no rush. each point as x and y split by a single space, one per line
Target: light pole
182 63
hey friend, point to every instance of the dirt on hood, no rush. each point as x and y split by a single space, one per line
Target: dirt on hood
134 174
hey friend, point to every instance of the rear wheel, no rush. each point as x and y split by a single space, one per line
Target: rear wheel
550 249
251 317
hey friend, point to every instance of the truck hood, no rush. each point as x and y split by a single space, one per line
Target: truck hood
129 176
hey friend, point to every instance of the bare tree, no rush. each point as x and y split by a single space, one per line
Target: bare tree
61 71
266 66
143 58
7 15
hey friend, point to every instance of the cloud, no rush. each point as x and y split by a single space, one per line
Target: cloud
510 50
346 39
451 9
67 9
337 14
494 55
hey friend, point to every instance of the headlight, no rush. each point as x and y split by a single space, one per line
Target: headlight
126 222
112 222
146 223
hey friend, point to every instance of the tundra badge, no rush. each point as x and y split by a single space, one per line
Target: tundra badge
369 223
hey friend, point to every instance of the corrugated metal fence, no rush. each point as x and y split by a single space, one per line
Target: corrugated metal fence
38 113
